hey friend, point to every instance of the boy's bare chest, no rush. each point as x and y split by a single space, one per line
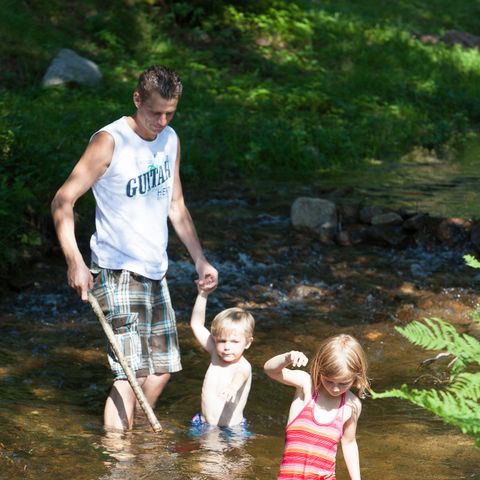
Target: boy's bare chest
218 376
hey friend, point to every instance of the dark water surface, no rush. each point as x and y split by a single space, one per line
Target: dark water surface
54 375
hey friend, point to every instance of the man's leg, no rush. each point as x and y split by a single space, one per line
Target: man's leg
120 406
154 385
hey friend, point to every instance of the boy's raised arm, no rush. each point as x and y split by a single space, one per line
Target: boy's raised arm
197 322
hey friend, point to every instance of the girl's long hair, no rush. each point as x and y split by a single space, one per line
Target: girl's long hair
337 356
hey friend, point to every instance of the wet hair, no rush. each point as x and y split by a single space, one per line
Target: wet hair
233 319
159 79
339 356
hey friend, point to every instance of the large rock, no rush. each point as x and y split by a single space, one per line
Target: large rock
352 235
367 213
68 67
475 235
349 213
416 222
387 235
454 231
389 218
315 214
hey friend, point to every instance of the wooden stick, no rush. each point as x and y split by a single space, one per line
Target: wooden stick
126 368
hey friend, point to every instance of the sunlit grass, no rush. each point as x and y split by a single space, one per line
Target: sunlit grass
271 89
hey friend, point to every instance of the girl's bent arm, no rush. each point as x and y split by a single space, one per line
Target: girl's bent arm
197 322
276 369
349 442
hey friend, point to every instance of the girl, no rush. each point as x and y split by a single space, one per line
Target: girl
324 411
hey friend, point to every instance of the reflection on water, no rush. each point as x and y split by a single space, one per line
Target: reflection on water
54 376
221 455
175 454
420 183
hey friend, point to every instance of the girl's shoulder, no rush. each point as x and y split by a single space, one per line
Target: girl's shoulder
351 398
353 406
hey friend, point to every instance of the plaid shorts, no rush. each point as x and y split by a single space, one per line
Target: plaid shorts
142 317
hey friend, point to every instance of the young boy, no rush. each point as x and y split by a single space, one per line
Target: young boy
228 379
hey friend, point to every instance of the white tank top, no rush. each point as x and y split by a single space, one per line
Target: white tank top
133 199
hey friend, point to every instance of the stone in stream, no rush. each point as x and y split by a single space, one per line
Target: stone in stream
454 231
416 222
315 214
475 235
349 225
389 218
367 213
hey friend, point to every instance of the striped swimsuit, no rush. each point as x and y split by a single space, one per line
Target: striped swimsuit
311 447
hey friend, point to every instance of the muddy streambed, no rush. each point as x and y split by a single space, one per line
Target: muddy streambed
54 375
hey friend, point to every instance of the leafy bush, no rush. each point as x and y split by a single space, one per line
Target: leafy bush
273 88
459 402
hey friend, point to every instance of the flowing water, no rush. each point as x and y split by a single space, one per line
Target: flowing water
54 376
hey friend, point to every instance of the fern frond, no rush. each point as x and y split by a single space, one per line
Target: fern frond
466 385
436 334
432 333
459 403
461 412
471 261
470 349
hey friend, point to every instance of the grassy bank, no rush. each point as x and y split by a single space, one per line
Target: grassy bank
272 88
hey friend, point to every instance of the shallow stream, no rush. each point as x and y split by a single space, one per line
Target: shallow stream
54 376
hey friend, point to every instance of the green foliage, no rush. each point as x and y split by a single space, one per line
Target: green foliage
273 88
471 261
456 406
459 403
435 334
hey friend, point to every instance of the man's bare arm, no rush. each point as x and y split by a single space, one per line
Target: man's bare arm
185 229
93 163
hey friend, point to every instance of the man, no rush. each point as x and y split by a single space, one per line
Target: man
133 168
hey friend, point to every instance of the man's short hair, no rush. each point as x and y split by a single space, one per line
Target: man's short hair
159 79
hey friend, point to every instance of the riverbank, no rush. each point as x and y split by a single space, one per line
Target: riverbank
273 89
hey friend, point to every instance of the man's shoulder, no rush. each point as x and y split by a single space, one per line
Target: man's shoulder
168 131
112 128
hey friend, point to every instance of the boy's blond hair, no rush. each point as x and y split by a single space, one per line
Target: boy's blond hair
338 356
234 318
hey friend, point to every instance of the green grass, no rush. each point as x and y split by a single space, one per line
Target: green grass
272 88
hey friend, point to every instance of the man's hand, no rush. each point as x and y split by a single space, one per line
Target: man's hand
81 280
207 276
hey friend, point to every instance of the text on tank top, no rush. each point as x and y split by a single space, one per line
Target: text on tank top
133 198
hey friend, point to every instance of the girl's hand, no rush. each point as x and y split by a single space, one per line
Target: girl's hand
296 359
